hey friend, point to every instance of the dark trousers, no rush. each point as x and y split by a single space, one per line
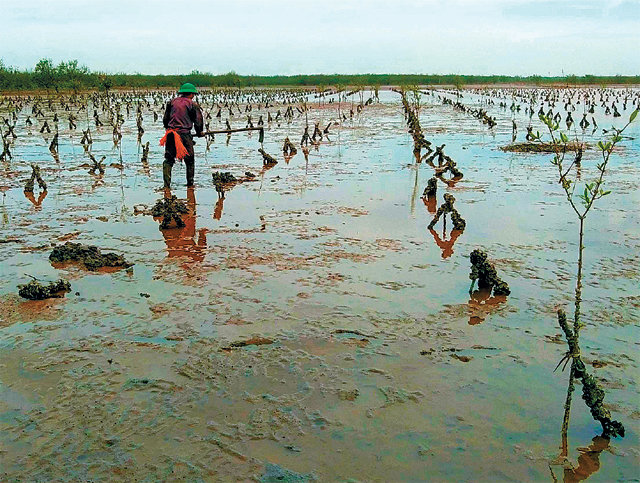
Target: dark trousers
170 159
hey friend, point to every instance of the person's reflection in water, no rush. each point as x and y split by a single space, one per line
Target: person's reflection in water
482 303
181 242
588 461
36 203
446 245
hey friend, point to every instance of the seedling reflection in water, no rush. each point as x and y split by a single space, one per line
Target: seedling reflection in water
592 393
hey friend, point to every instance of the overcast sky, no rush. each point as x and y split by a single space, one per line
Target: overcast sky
521 37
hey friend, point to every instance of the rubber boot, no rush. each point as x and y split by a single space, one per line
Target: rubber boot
191 167
166 174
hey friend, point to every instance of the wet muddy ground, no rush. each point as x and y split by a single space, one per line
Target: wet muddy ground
308 325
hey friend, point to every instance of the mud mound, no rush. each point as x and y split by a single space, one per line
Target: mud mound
89 255
168 206
169 209
34 290
533 147
223 178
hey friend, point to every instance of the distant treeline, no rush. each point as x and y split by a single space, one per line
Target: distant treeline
72 76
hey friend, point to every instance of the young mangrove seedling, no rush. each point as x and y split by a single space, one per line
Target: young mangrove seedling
486 274
581 204
221 179
431 189
267 159
289 149
97 165
447 207
35 176
145 153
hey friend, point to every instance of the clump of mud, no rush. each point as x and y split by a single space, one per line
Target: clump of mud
542 147
169 209
486 274
248 342
90 256
34 290
220 178
275 472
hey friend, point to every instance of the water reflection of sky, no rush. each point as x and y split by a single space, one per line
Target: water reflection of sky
348 230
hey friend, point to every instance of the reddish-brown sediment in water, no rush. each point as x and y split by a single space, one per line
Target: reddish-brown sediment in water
308 324
16 309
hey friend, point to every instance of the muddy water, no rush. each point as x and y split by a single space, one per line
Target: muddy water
372 363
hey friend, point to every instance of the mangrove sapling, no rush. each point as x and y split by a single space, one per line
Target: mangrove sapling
6 146
431 188
317 135
289 148
486 274
35 176
145 154
445 163
86 137
412 114
305 137
98 166
45 127
10 130
447 207
222 180
267 159
53 147
592 393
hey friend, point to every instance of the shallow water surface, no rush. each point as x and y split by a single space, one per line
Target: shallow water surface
367 359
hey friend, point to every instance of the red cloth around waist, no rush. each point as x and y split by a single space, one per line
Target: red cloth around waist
181 151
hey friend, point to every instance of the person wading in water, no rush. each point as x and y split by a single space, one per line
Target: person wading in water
180 116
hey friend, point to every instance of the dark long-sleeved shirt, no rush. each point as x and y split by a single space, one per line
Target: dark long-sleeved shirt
182 114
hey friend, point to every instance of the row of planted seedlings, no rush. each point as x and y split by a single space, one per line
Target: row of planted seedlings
567 160
562 104
447 172
91 113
